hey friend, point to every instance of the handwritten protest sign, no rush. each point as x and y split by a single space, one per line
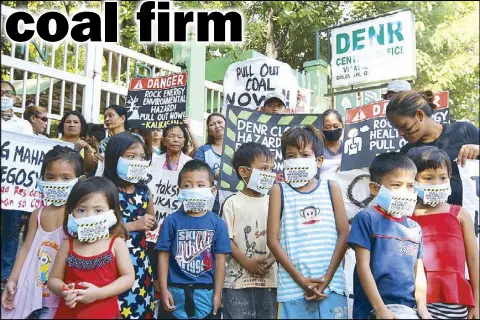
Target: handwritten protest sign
252 126
22 158
368 132
154 103
471 190
164 189
246 83
354 185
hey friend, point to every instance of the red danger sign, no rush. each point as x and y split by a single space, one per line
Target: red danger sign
377 109
171 81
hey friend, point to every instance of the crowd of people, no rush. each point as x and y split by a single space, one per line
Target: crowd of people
272 250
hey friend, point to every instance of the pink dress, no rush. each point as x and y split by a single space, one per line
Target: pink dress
32 292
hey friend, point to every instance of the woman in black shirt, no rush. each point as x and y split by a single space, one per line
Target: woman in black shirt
410 113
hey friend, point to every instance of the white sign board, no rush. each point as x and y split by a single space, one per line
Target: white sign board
374 51
471 193
354 185
246 83
22 158
164 189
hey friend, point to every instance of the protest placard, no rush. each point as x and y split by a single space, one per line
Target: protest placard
154 103
252 126
368 132
246 83
471 190
22 158
354 185
164 189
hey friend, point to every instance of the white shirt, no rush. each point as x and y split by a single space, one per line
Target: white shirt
16 124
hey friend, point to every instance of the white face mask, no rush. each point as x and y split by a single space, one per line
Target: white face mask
299 171
6 103
93 228
433 195
397 203
261 181
133 170
196 199
55 192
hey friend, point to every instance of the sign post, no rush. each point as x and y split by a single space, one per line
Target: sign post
374 51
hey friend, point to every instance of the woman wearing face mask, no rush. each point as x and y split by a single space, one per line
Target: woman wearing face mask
127 165
332 130
410 113
26 293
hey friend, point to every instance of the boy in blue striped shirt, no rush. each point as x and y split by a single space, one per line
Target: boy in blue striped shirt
307 232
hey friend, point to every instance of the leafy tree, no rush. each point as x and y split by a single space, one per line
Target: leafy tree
447 48
447 37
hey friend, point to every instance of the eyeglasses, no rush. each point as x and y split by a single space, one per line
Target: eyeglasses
8 93
44 119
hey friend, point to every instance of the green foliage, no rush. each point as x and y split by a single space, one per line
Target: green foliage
447 48
447 37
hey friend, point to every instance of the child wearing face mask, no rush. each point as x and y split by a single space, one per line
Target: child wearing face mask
449 239
389 278
251 275
93 267
26 293
192 245
127 166
307 231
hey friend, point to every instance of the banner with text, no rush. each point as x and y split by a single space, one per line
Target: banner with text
154 103
368 132
471 191
164 189
247 82
22 158
374 51
252 126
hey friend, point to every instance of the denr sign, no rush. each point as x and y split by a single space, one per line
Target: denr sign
374 51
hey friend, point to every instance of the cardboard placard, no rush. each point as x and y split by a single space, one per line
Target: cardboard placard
252 126
471 191
247 82
164 189
154 103
22 158
368 132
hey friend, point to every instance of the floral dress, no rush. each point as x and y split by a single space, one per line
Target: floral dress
137 302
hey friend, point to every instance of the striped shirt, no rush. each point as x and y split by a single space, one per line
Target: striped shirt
308 235
447 311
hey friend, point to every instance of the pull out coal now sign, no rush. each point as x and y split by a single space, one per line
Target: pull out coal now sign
154 103
368 132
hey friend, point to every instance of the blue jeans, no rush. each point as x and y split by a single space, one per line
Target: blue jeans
10 236
333 307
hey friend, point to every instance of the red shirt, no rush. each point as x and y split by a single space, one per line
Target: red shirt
444 258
